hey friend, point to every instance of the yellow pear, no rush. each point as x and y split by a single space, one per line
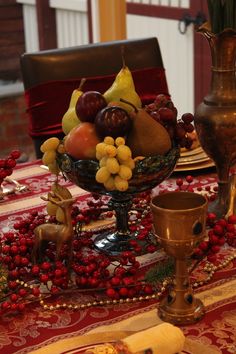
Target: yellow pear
70 118
123 87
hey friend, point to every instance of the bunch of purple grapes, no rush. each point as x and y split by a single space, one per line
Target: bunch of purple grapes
165 113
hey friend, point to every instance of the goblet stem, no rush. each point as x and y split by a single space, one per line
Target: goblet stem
181 276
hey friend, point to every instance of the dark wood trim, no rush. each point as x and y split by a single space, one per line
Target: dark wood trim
156 11
90 21
46 25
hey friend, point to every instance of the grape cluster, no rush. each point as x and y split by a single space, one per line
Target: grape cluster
165 113
49 148
115 162
7 164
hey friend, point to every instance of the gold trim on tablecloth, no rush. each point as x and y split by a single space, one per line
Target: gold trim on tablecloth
36 201
139 322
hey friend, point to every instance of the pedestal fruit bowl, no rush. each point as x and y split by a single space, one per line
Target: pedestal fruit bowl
147 174
119 148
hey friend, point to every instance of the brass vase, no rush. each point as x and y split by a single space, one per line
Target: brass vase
215 117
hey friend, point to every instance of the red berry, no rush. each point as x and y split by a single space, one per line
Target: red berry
22 292
179 182
45 266
215 249
232 219
10 163
14 250
14 297
189 179
44 278
218 230
123 291
8 171
3 174
230 228
21 307
5 305
148 289
211 258
15 154
213 239
2 163
203 245
58 273
24 261
35 270
211 216
111 293
115 281
36 291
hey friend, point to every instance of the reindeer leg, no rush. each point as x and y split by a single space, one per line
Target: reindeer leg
58 249
70 258
34 253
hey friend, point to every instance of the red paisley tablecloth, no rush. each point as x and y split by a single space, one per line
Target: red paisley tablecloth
65 331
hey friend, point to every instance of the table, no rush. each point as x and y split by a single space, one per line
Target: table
65 331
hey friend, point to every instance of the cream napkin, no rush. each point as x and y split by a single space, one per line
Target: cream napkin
162 339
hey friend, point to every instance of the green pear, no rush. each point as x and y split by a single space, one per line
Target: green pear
70 118
123 87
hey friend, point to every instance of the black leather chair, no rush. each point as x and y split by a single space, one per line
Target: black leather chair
90 60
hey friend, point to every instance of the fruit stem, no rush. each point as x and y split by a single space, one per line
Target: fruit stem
82 82
131 104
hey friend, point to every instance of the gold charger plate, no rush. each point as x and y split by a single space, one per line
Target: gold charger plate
202 157
196 166
190 152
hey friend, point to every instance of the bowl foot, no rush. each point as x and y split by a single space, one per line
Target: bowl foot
113 243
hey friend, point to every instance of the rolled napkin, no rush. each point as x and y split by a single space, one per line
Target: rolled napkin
161 339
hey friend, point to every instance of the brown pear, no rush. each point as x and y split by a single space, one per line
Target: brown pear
147 137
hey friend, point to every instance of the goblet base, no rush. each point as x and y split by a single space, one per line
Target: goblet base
114 243
182 316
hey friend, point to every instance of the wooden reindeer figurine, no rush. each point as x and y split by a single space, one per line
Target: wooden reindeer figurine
58 233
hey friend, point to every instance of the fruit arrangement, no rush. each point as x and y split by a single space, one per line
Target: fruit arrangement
116 131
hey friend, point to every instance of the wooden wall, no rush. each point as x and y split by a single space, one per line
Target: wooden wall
12 42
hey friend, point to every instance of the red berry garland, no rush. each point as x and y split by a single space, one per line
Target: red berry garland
7 164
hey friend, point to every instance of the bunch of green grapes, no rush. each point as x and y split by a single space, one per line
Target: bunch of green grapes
115 162
49 148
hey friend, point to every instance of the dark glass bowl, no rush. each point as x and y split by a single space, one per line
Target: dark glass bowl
147 173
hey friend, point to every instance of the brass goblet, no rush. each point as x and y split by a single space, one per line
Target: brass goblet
179 220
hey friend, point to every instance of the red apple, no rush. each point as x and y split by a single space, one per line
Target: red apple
81 142
88 105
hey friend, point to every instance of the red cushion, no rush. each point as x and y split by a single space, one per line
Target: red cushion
47 102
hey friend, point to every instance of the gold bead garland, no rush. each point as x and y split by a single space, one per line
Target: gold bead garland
209 268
